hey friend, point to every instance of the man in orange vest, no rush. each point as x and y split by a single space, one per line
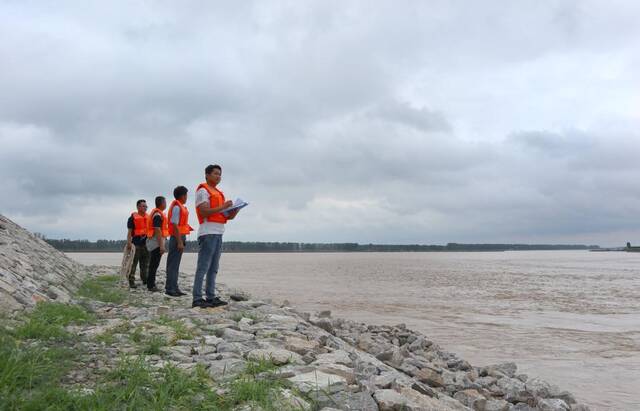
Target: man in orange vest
157 233
179 228
137 226
210 202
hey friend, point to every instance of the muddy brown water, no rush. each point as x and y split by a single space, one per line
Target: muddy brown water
570 317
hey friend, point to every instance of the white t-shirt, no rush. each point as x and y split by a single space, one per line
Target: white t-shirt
207 227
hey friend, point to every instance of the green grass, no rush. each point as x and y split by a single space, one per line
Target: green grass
48 319
136 336
180 329
108 337
30 374
103 288
153 345
31 379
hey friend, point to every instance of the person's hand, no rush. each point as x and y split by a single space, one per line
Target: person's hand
162 250
128 246
228 203
181 247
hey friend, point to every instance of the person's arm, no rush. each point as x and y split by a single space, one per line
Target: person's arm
129 237
206 210
160 238
178 236
129 232
175 219
157 230
233 214
161 241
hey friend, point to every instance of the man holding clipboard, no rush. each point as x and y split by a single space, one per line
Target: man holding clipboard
213 212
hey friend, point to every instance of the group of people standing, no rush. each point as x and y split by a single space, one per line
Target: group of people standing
156 233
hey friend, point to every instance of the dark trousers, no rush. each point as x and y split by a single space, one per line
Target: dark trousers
154 262
173 264
141 256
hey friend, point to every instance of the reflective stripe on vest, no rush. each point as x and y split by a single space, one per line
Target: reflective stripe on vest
151 232
183 224
216 199
140 224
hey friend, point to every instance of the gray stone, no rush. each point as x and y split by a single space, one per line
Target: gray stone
553 404
522 406
384 380
228 368
497 405
212 340
335 357
358 401
324 314
472 399
232 347
275 355
287 400
508 368
424 389
318 380
231 335
565 396
410 400
514 390
430 377
538 387
323 323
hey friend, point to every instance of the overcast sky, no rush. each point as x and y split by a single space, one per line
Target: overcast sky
384 122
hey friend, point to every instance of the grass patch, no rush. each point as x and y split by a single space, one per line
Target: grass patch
29 375
30 379
180 329
133 385
48 319
108 337
153 345
260 391
104 288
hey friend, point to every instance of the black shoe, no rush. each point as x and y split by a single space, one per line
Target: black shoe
154 289
200 303
216 302
133 285
179 292
172 293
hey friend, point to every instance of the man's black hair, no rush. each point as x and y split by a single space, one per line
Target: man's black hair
140 201
159 201
179 192
209 169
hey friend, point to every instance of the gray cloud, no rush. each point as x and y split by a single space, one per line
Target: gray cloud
370 122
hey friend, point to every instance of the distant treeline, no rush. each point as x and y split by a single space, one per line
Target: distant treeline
275 247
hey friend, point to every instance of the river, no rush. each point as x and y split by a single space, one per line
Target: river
569 317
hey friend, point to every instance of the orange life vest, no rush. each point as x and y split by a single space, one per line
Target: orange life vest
216 199
183 224
151 232
140 223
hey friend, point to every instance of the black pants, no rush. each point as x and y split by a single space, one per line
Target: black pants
154 262
141 256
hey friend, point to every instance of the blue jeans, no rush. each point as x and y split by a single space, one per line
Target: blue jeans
208 261
173 264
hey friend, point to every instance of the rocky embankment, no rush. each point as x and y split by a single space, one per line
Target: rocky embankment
252 354
31 270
